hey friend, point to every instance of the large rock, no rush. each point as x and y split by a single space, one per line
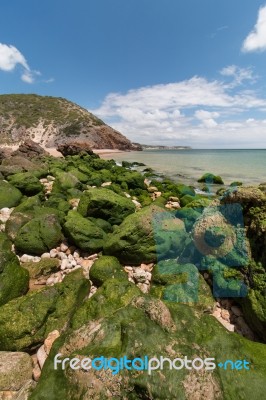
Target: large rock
26 322
104 268
26 182
9 195
15 370
105 204
83 233
120 321
149 234
14 280
74 148
211 179
30 149
39 235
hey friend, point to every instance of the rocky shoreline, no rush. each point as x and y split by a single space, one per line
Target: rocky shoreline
100 259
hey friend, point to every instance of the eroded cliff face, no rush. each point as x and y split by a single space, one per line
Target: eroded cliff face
52 120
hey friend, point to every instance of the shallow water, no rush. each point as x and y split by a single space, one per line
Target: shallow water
247 166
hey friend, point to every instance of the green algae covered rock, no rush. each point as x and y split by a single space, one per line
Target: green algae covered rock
14 280
147 235
104 268
26 182
115 293
84 233
39 235
132 179
139 325
212 179
26 321
9 195
105 204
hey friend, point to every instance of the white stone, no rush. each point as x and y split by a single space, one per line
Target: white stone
50 281
41 356
66 264
45 255
62 255
63 247
26 258
53 253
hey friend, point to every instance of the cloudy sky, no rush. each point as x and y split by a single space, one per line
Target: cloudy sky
161 72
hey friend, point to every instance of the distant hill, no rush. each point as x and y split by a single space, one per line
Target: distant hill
161 147
54 120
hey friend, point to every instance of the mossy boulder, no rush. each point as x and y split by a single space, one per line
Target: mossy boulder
138 325
14 280
39 235
114 294
147 235
211 179
104 268
105 204
26 182
64 181
181 283
9 195
25 322
101 223
133 180
59 202
84 233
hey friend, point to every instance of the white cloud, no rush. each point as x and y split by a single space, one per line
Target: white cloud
207 118
196 112
239 75
10 57
256 40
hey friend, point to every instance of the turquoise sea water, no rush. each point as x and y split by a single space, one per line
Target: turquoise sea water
247 166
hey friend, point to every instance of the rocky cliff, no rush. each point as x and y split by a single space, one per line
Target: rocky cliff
53 120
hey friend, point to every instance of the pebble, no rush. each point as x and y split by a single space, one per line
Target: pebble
26 258
53 253
65 264
41 356
62 255
63 247
152 189
76 254
137 204
45 255
147 267
5 214
52 336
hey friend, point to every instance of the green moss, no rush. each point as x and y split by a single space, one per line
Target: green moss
210 178
104 268
9 195
84 233
40 312
105 204
26 182
39 235
44 267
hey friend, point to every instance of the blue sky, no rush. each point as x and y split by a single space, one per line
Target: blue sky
161 71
